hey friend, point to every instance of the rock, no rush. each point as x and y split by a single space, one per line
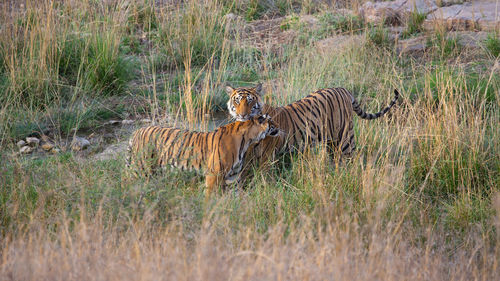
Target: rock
108 136
112 151
444 3
480 14
21 143
47 146
26 149
79 143
395 11
379 11
412 45
470 39
127 122
32 141
420 6
113 122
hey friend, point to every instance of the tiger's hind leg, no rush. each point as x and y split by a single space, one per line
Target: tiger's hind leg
343 150
348 144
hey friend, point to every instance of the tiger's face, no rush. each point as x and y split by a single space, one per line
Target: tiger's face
245 102
261 127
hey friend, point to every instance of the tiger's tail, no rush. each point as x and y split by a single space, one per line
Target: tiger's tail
361 113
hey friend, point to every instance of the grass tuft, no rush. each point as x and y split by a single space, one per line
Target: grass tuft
413 24
493 44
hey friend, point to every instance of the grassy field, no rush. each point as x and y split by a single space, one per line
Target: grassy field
420 199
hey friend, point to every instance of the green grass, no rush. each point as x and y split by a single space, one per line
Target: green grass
493 44
445 46
331 24
413 24
379 37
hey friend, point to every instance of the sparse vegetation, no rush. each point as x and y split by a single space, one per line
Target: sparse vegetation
414 24
444 45
379 37
421 194
339 23
493 44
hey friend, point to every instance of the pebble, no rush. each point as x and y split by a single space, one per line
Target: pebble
79 143
26 149
47 146
21 143
32 141
113 122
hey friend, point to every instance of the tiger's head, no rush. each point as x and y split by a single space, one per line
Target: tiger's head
260 127
245 102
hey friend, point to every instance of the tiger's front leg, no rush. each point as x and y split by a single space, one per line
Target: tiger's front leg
212 182
258 157
248 165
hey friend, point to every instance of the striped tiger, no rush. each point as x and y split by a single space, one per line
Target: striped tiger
219 153
325 115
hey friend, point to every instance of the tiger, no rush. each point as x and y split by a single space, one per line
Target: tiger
220 153
324 116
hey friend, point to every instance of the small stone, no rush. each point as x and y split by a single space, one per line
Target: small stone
113 122
412 45
32 141
145 120
47 146
79 143
26 149
112 151
127 122
21 143
444 3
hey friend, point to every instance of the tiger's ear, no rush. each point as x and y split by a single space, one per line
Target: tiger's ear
229 90
262 118
258 89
